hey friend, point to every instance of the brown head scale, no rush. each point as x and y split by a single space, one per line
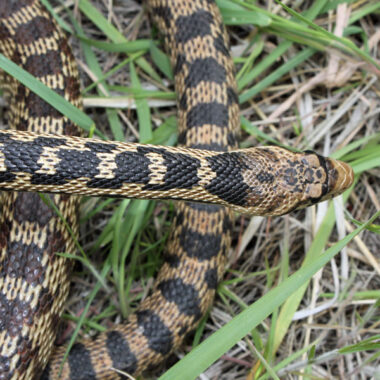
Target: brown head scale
282 181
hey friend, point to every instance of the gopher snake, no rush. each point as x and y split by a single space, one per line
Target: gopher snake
262 181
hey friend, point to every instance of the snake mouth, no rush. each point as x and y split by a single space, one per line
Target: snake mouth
340 177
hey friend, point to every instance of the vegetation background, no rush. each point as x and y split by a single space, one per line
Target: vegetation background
299 300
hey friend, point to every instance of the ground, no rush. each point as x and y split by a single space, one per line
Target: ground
300 85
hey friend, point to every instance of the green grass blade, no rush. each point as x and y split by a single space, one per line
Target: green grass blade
121 47
162 61
217 344
344 42
142 107
47 94
82 318
277 74
101 22
59 20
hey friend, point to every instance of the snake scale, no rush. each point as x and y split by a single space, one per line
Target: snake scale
206 168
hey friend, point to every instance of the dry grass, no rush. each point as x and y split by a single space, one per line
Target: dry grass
326 102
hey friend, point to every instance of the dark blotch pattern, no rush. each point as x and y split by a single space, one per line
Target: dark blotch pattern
73 164
45 373
8 8
24 261
23 156
181 170
207 69
182 104
37 109
195 25
164 13
80 363
45 300
207 113
5 362
231 139
220 45
180 61
211 278
37 27
172 260
100 147
51 66
200 246
159 336
131 168
28 207
13 315
230 184
50 142
265 177
227 225
121 355
232 97
183 295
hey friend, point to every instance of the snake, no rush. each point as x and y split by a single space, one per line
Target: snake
206 174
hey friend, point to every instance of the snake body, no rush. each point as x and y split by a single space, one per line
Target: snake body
208 168
256 181
33 279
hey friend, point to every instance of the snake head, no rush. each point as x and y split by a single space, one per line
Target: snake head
281 181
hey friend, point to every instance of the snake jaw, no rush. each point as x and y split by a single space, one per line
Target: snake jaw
340 177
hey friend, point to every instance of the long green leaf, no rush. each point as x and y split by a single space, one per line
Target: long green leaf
222 340
47 94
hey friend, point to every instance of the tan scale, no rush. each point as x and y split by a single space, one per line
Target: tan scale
21 17
206 174
106 166
203 47
53 81
206 92
48 161
209 133
157 169
9 46
39 47
45 124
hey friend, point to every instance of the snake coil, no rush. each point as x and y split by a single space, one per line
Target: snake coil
207 168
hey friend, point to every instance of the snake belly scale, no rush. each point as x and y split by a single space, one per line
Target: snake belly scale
206 168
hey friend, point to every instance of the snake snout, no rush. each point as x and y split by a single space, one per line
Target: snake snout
282 181
340 177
